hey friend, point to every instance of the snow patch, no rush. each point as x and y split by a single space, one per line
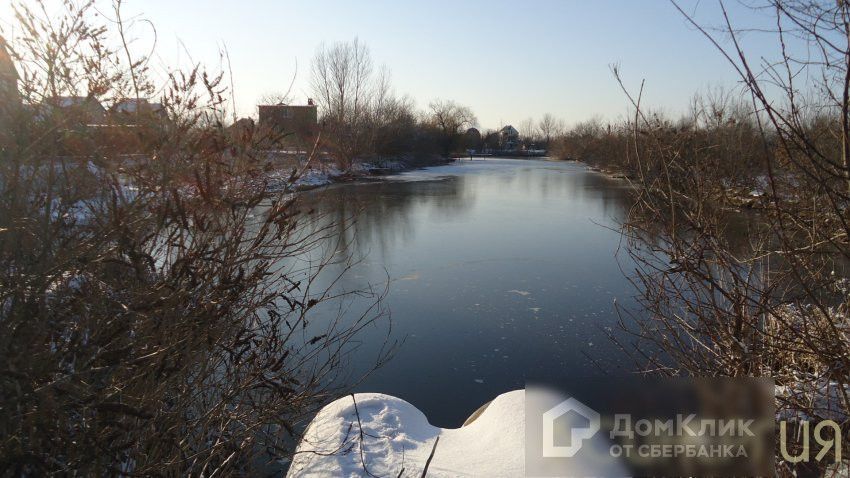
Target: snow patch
397 436
390 437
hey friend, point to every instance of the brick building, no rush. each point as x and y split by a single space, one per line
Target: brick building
298 121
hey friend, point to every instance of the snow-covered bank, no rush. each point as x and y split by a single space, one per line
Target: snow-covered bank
389 435
372 434
323 174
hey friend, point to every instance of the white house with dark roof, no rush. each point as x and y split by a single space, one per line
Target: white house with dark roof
508 138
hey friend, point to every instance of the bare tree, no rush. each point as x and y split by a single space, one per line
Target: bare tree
274 98
548 127
344 86
451 120
528 130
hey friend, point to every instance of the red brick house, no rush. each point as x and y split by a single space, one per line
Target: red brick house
294 122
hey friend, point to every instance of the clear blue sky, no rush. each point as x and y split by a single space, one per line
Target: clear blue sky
507 60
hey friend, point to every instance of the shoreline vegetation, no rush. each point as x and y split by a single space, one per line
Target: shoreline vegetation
323 172
326 173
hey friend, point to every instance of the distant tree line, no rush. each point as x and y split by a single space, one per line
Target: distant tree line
361 118
718 140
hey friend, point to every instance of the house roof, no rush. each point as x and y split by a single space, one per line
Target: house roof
132 105
284 105
7 66
68 101
509 130
88 106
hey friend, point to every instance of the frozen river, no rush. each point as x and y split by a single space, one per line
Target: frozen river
500 271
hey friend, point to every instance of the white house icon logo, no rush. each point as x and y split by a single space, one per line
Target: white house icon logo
577 434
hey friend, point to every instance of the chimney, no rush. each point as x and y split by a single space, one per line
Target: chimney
310 102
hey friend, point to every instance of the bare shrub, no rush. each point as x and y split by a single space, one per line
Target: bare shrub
157 308
761 292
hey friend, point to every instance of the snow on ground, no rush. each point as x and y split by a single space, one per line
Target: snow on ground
823 398
811 393
317 177
321 174
281 180
460 167
396 436
397 441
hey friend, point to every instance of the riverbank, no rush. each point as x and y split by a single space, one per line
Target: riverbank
324 172
613 173
729 196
